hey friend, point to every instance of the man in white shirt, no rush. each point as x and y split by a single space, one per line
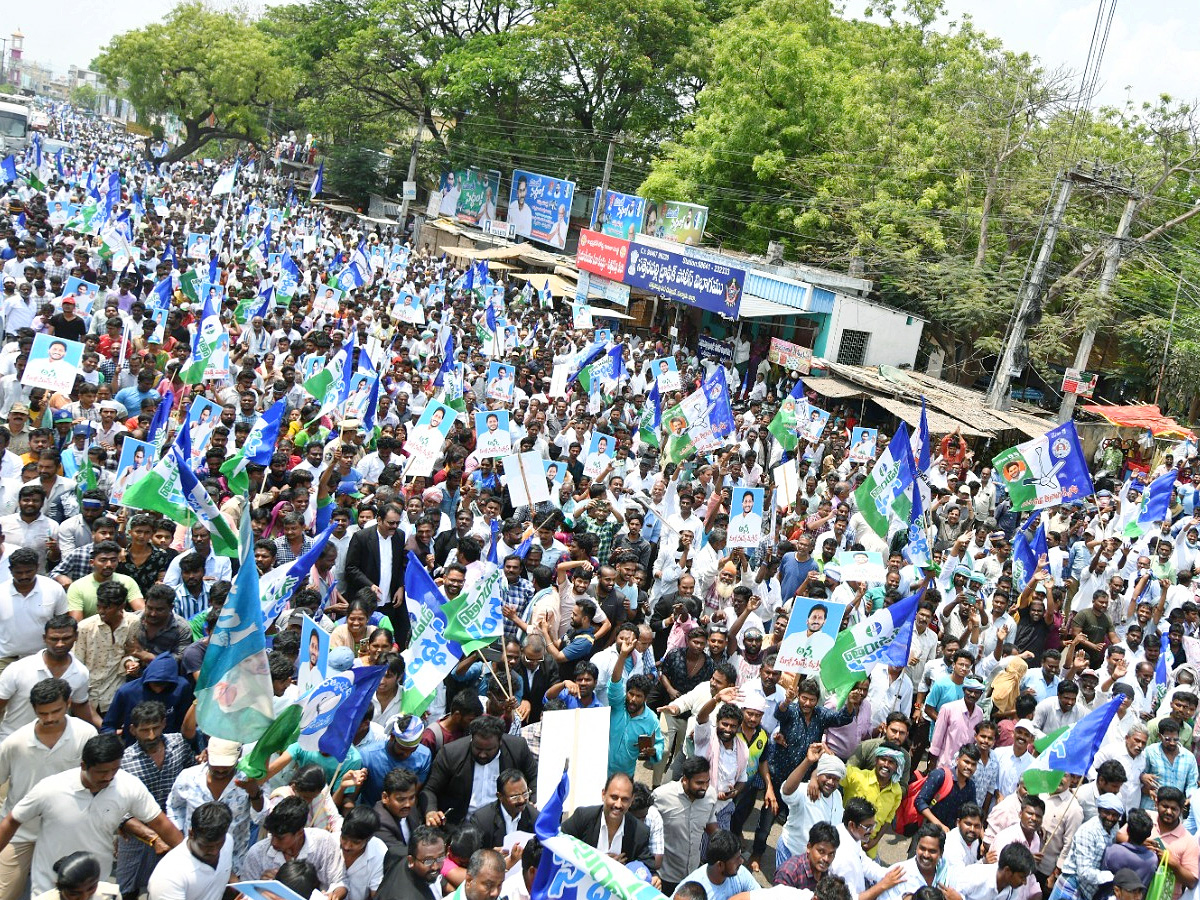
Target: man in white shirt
27 603
199 868
55 661
82 808
1001 880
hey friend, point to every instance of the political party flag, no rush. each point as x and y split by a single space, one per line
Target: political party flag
356 273
583 359
204 512
8 168
1156 505
1024 562
784 426
224 182
327 385
545 297
1046 471
318 182
266 297
214 269
569 862
234 696
289 276
205 341
883 638
160 296
885 498
1070 750
335 708
447 366
157 432
280 735
168 255
650 420
475 617
281 583
257 448
161 489
917 550
34 182
720 415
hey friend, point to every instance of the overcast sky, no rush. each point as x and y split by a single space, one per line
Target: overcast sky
1151 49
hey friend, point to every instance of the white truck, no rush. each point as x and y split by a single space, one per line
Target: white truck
15 131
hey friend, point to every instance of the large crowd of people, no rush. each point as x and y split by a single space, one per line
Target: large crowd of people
725 774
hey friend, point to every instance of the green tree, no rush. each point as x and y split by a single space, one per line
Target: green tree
215 72
84 96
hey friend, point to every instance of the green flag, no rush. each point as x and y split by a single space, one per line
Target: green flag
783 426
34 182
236 476
885 498
187 284
1038 778
280 735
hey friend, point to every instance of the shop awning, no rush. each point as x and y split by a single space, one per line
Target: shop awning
832 388
1145 416
911 413
759 308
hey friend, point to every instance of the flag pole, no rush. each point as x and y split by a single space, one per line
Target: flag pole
494 675
1063 817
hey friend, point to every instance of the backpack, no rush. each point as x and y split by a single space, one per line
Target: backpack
907 817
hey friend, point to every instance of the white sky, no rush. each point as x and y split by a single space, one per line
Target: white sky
1151 49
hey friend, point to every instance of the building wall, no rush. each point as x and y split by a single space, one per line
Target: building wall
893 335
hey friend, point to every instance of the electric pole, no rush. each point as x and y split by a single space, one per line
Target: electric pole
1112 259
412 166
1031 294
601 213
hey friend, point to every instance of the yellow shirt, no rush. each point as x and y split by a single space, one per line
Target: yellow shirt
864 783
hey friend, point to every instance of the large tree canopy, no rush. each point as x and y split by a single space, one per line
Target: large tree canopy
215 72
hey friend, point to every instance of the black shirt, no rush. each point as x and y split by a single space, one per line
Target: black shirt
73 329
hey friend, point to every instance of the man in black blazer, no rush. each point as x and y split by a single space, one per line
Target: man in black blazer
536 674
464 773
364 570
410 875
596 825
398 811
510 811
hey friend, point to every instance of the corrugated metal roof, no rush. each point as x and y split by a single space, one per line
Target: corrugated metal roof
831 387
758 308
786 292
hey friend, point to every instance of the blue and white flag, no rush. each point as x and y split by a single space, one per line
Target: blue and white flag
281 583
1156 504
157 432
884 638
267 295
573 870
544 295
234 695
447 366
318 182
917 550
720 414
885 498
160 296
204 512
430 657
583 360
169 255
1047 471
289 276
224 183
8 168
921 458
335 709
1025 555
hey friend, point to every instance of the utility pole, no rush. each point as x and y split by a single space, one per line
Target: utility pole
412 165
1112 259
601 213
1162 370
1031 294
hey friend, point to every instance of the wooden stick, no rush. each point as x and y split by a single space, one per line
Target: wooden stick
507 669
496 677
1063 818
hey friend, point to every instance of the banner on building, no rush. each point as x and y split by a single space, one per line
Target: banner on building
790 356
469 195
602 254
539 207
700 283
680 222
623 214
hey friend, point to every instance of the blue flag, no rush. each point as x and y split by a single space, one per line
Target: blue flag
160 296
491 554
544 295
289 276
1024 562
1156 504
490 318
1075 750
58 162
335 708
447 366
8 168
720 415
616 362
259 445
169 255
281 583
585 359
318 182
1047 471
267 296
158 425
372 406
573 870
917 551
234 697
655 398
214 270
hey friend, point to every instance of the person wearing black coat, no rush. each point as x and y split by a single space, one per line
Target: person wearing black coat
612 815
408 875
398 811
510 810
466 770
364 570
